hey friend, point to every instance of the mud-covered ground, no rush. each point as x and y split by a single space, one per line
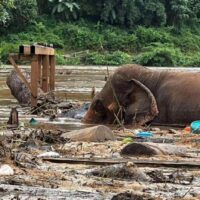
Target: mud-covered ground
31 176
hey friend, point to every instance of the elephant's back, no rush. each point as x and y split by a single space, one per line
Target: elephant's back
178 98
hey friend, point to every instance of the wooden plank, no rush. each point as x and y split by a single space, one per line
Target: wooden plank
23 79
52 72
45 73
21 57
34 82
42 50
25 49
106 161
40 70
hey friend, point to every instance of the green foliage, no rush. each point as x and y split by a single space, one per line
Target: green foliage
81 37
5 6
24 12
115 58
126 13
65 8
146 36
187 41
44 7
178 12
108 45
61 60
153 13
16 14
121 40
194 6
161 56
193 60
5 49
132 12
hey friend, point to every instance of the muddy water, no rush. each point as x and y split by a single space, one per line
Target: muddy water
72 83
75 83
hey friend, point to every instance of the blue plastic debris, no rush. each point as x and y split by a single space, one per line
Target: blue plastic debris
33 122
144 134
195 127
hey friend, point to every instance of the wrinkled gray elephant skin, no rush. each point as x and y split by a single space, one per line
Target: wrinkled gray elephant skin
139 95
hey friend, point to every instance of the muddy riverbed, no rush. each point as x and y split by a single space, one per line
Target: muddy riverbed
35 178
72 84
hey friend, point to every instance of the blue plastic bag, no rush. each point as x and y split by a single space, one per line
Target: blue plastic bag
195 127
144 134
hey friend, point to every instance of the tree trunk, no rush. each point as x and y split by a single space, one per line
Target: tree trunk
18 88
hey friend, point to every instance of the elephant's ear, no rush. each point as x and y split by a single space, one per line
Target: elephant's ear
141 105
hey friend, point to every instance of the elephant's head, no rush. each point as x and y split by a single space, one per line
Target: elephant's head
122 99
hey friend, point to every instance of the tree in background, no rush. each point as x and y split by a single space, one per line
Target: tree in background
65 9
5 6
44 7
178 12
194 6
16 14
131 12
122 12
24 12
153 13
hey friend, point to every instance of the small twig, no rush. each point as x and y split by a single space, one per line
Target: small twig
114 93
113 88
117 116
32 111
118 121
186 192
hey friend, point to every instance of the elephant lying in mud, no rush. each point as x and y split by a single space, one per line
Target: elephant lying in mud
139 95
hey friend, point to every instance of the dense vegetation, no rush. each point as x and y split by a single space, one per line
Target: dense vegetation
113 32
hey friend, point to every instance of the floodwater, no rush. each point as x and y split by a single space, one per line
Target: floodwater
73 83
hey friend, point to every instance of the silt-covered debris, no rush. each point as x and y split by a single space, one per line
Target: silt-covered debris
42 158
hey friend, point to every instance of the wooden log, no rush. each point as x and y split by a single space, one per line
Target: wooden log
34 82
42 50
107 161
45 73
52 72
17 87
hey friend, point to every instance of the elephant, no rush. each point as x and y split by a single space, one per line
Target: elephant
138 95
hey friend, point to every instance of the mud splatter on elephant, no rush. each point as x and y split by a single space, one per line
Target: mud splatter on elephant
139 95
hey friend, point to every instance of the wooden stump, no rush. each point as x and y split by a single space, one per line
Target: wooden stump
13 121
